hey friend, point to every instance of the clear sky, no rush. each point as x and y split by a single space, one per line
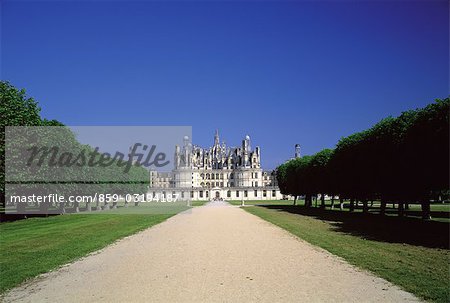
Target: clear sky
284 72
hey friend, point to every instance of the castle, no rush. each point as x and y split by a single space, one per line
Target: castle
217 172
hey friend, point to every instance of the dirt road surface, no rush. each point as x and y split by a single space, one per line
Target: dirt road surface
213 253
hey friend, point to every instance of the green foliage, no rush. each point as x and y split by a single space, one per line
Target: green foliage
402 159
15 109
19 110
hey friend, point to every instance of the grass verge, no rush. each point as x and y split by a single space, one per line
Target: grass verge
374 244
198 203
34 246
261 202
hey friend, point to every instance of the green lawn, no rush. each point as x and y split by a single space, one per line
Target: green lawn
439 211
37 245
198 203
261 202
408 252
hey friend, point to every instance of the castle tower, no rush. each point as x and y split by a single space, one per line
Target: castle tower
216 138
297 151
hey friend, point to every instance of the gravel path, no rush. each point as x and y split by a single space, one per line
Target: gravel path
214 253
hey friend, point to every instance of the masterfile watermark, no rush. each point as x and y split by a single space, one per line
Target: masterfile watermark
57 169
140 154
89 153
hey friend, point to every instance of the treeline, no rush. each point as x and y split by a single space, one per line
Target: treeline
16 109
399 160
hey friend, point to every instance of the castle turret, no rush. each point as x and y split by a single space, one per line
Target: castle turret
216 138
297 151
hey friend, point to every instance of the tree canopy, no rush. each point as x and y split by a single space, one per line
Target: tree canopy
17 109
403 159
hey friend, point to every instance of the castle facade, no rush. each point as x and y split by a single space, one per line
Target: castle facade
217 172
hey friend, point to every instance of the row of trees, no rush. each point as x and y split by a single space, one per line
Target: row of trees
399 160
19 110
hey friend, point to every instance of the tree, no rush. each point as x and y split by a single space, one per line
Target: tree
16 109
402 160
319 174
19 110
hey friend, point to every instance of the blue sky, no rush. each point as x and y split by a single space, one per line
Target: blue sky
284 72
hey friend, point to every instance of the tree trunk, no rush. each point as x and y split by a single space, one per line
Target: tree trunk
341 203
352 204
295 200
426 214
322 201
308 200
315 201
383 207
332 202
2 200
97 204
365 208
401 209
76 207
62 207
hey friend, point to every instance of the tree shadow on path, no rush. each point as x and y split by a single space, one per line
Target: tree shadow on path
391 229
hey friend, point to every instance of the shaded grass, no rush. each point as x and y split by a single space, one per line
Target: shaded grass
439 211
34 246
421 270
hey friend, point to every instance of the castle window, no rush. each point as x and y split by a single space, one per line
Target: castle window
217 176
256 175
264 193
212 176
201 194
221 176
256 183
237 193
229 194
245 193
207 194
274 193
256 193
192 194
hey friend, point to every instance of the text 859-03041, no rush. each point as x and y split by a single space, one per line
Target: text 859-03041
161 198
